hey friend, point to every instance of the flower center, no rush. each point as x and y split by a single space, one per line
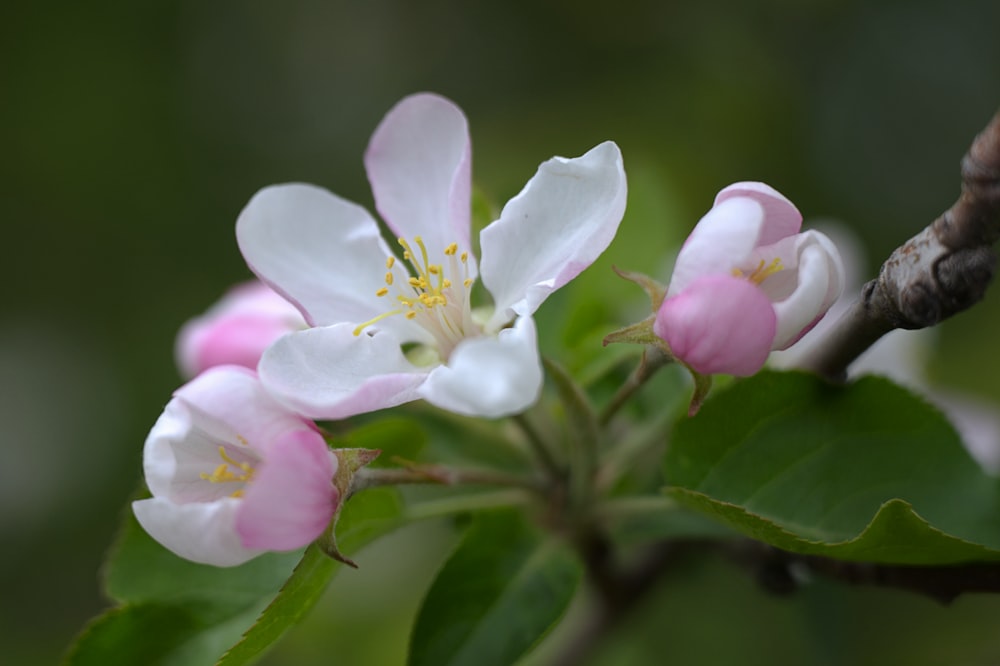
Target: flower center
243 473
763 271
435 296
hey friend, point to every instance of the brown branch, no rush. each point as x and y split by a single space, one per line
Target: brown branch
936 274
621 590
780 571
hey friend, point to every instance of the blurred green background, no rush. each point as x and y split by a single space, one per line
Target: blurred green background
133 133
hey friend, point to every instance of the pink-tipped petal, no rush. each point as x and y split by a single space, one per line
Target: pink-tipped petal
719 324
321 252
200 532
292 497
419 164
489 376
562 220
782 217
330 373
722 240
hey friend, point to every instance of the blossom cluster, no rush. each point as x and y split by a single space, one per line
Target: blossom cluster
340 322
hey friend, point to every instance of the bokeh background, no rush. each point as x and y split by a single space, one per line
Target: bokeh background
131 134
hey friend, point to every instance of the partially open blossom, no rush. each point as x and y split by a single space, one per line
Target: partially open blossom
236 330
387 330
747 282
233 473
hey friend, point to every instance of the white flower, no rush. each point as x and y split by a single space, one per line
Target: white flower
386 331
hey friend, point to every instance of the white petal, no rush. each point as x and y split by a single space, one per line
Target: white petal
834 264
722 240
489 376
803 308
419 164
562 220
782 218
330 373
321 252
200 532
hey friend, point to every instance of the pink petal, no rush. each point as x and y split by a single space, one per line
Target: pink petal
489 376
719 324
722 240
330 373
292 497
323 253
562 220
419 164
781 216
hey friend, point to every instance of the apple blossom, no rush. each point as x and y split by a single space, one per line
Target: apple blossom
233 473
746 282
387 331
236 330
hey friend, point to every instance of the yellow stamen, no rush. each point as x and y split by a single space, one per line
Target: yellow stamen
388 278
390 262
361 327
451 249
222 473
382 292
762 272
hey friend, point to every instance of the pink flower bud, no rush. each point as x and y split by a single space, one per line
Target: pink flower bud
236 330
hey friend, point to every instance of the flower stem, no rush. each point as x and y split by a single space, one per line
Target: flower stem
449 506
584 431
440 474
538 445
653 358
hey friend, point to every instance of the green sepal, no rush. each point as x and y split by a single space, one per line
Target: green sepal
655 290
350 461
639 333
702 385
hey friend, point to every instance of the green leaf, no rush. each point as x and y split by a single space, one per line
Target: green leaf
863 472
498 594
394 436
139 570
367 516
176 612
